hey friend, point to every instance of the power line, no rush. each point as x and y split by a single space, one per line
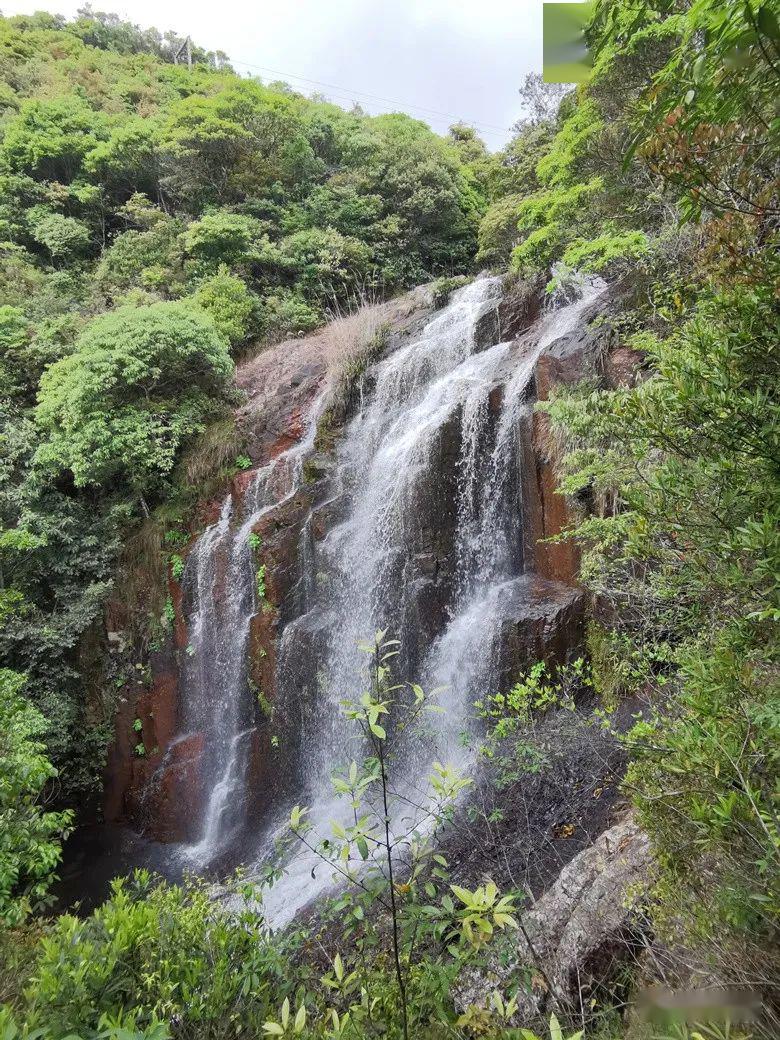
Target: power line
349 94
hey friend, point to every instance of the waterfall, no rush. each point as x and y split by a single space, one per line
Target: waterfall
428 543
220 598
429 466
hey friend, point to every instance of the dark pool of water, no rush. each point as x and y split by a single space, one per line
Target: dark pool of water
94 855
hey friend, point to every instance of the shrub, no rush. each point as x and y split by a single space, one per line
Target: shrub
162 952
140 383
62 236
29 836
228 303
685 560
286 313
221 236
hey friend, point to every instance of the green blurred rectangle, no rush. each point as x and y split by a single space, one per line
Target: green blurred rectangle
566 57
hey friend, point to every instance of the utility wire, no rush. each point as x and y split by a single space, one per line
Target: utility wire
350 94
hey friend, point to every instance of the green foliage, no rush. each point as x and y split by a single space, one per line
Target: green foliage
49 139
510 749
29 835
163 953
228 303
598 253
285 313
534 693
661 171
498 231
139 384
220 237
57 553
141 259
366 849
63 237
109 1027
260 582
688 557
443 288
14 341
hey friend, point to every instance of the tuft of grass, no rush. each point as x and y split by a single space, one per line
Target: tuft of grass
142 570
212 456
356 341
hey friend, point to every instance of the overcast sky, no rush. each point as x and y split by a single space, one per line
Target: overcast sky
463 59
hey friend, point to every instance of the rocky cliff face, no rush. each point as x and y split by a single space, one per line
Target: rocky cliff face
160 793
561 833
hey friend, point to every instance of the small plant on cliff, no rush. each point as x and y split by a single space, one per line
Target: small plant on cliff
243 462
261 582
512 749
262 701
534 693
177 566
443 288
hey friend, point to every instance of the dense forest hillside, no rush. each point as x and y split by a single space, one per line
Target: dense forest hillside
159 224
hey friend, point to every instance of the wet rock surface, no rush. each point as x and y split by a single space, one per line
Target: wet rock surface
545 622
581 354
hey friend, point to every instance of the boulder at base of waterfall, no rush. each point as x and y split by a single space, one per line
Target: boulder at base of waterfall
543 621
585 929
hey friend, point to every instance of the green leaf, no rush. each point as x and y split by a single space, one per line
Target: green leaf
463 895
300 1019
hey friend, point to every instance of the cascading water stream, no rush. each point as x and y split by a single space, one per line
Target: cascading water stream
438 389
221 599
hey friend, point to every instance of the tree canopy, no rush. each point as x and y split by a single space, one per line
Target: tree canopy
139 382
